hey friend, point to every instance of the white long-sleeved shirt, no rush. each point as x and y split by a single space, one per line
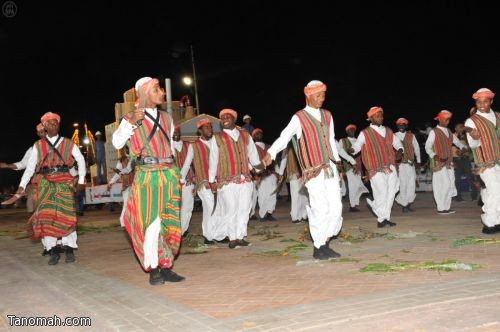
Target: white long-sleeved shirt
416 147
361 140
343 154
20 165
123 171
126 129
294 128
31 166
253 155
490 115
190 156
429 144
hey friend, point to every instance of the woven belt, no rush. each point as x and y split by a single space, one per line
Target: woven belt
153 160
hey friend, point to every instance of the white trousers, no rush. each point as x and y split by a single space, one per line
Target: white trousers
443 187
125 194
69 240
298 195
407 177
491 197
325 207
255 195
384 187
356 187
235 200
267 202
213 226
187 205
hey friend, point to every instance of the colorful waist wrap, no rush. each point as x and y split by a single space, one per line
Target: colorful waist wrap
155 193
55 214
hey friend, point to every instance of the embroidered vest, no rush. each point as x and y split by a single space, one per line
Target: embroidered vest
409 152
201 155
442 148
313 147
292 165
377 153
488 154
233 158
159 146
49 158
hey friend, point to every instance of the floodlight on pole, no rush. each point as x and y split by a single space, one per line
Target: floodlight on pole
187 80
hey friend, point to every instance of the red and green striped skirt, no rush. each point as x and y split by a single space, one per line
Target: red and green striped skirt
55 214
155 193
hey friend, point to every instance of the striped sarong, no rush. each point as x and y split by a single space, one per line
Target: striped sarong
155 193
55 214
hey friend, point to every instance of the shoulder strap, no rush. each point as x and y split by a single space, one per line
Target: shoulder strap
52 147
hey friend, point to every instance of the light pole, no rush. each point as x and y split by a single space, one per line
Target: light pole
195 83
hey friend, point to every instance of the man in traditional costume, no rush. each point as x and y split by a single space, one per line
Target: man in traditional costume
438 147
124 173
232 154
32 187
266 191
314 141
484 140
406 166
377 143
187 205
298 191
55 215
353 171
197 158
152 210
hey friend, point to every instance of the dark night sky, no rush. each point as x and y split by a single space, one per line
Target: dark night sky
413 59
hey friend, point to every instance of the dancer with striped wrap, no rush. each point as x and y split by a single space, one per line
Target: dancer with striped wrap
438 147
484 141
377 144
152 211
232 155
314 142
55 215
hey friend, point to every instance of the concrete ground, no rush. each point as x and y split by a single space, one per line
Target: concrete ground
273 285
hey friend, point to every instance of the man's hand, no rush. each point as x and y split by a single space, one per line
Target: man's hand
267 160
108 187
3 165
350 151
116 170
474 133
280 178
137 115
464 152
436 158
20 191
213 187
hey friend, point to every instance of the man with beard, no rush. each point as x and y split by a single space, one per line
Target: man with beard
407 165
314 141
232 153
152 210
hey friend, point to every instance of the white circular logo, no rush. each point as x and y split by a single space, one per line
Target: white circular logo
9 9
